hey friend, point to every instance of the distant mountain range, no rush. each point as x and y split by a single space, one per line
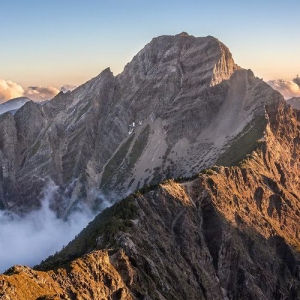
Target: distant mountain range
13 105
206 157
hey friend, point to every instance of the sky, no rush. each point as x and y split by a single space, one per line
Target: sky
58 42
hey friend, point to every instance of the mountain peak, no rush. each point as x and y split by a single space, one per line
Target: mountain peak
183 56
106 71
179 107
163 105
183 33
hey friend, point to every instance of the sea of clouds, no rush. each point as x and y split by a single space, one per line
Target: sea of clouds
29 239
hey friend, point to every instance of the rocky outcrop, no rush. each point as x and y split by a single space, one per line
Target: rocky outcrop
226 233
92 277
173 110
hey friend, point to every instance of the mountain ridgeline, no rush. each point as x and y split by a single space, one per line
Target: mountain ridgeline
173 110
227 226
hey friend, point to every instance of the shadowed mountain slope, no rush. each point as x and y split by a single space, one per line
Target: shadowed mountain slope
226 233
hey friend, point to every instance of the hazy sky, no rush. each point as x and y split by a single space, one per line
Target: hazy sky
59 42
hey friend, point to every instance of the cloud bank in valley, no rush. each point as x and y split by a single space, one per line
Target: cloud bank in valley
30 239
10 90
288 88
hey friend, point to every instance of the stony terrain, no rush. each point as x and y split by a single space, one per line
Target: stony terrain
173 110
226 233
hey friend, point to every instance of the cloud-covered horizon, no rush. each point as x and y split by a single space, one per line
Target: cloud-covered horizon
288 88
10 90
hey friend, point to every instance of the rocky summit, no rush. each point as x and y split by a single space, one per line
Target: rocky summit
173 111
212 155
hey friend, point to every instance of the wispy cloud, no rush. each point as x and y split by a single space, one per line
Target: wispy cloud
288 88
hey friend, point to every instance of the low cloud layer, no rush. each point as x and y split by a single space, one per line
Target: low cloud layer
10 90
28 240
288 88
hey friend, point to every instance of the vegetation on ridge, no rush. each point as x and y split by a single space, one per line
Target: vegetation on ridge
244 143
106 225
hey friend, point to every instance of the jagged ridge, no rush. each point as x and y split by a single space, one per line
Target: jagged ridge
170 113
229 232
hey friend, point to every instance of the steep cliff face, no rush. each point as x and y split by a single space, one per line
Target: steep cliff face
227 233
170 113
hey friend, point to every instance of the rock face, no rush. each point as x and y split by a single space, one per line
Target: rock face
226 233
173 110
294 102
180 106
93 277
